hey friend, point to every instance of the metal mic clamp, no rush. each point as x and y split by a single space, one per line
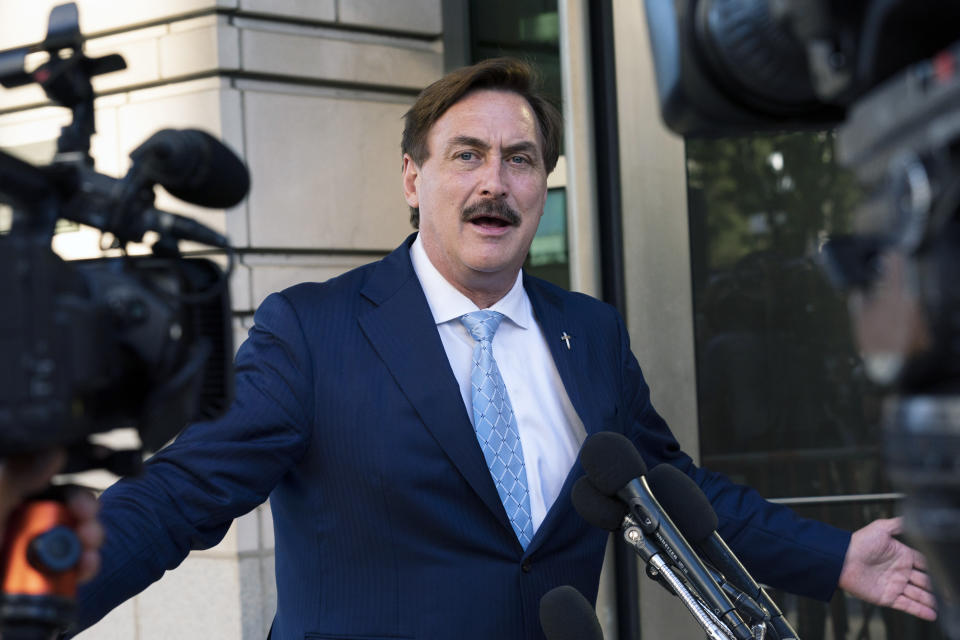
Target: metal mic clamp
713 626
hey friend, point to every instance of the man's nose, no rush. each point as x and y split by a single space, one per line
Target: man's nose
493 183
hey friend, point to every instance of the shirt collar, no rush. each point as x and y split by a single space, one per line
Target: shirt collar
447 303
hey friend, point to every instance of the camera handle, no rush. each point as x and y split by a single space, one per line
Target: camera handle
39 568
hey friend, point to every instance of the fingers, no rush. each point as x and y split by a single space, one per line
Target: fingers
894 525
917 598
84 507
919 561
921 596
88 566
920 579
914 608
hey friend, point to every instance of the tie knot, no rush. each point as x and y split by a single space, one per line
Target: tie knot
482 324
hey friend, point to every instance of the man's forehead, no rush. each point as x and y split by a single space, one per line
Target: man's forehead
499 117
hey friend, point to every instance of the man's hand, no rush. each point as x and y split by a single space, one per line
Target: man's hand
22 476
880 569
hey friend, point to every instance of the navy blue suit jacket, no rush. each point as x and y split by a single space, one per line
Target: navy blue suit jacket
387 523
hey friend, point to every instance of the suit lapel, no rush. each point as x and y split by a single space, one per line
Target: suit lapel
573 366
415 357
573 361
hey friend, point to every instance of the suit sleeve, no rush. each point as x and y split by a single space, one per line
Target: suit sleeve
779 548
214 472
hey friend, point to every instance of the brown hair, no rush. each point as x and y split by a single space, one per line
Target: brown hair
501 74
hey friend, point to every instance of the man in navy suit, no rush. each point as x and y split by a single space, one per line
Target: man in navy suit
356 415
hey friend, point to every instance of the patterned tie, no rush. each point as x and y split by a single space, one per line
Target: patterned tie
496 425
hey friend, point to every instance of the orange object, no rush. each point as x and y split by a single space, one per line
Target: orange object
20 576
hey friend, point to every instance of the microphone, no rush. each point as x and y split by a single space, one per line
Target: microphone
604 512
181 227
193 166
609 513
697 520
566 615
614 467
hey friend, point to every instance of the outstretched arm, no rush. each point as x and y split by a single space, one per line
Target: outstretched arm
880 569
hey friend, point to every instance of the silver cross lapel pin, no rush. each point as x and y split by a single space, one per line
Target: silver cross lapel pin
566 337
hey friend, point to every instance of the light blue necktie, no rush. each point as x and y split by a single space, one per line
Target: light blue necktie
496 426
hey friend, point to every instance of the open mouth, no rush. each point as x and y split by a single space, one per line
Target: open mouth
489 221
491 214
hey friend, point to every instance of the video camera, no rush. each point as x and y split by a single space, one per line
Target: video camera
886 75
89 346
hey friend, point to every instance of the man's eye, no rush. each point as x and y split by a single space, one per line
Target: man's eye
518 160
466 155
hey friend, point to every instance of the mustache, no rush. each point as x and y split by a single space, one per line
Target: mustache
491 209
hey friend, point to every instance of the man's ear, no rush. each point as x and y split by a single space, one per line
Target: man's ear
411 181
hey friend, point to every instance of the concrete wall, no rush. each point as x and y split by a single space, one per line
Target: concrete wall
311 93
657 262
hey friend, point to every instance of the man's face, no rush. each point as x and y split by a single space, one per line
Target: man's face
481 191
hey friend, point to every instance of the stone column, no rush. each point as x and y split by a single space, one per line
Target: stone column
311 94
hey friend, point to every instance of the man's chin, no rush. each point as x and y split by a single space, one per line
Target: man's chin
492 264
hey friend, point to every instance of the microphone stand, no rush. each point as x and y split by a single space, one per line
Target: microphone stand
713 626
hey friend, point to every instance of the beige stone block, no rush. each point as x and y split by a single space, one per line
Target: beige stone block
248 532
268 571
151 110
119 624
199 600
254 617
23 23
26 128
205 48
320 10
416 16
240 297
105 144
201 22
139 49
30 95
361 60
279 275
266 527
226 549
240 328
326 172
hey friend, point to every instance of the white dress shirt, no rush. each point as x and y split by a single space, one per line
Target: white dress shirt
550 429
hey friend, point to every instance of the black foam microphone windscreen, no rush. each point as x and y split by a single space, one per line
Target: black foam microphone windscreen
566 615
684 501
193 166
611 461
594 507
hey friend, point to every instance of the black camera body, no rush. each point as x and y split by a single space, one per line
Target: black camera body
89 346
102 344
886 74
726 67
132 341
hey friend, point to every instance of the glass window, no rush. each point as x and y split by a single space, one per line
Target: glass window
784 404
783 401
548 258
525 29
